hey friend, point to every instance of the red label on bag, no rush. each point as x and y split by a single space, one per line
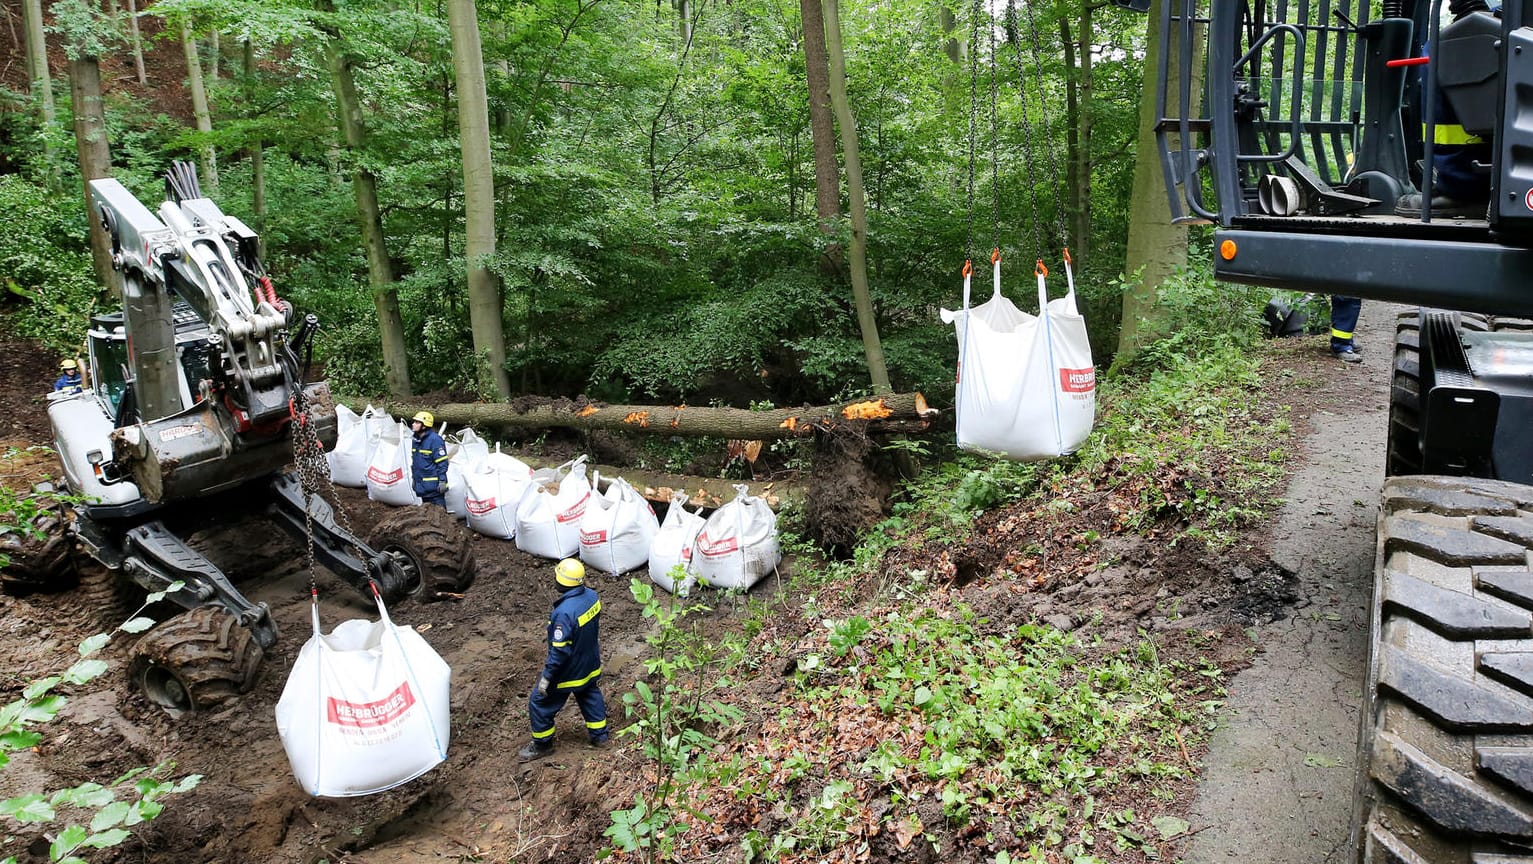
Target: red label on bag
480 506
575 512
385 478
366 715
1078 380
593 538
715 548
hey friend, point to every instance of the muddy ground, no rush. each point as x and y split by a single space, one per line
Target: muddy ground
1277 774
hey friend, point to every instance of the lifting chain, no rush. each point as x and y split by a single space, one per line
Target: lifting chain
314 479
1054 178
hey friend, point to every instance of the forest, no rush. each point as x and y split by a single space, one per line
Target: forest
572 207
634 203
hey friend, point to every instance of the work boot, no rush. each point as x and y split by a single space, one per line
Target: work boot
535 750
1347 355
1409 206
601 743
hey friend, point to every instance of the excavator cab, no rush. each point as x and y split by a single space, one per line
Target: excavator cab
1298 128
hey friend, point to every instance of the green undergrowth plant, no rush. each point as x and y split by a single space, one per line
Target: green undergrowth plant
671 716
1028 742
89 816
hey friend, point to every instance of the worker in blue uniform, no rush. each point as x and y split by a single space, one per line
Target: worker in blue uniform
428 460
69 378
1460 161
1344 315
573 667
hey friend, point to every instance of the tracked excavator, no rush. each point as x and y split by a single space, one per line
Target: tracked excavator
1302 130
197 414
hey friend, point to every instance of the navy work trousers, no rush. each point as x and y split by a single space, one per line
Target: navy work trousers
541 710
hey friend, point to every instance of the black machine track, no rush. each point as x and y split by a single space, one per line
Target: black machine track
1447 732
431 546
195 661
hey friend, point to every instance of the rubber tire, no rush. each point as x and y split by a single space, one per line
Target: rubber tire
433 544
1403 449
1403 453
40 563
1446 742
204 654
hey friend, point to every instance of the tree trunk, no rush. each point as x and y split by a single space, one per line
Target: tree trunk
213 55
503 66
1078 129
684 26
380 272
710 492
900 412
138 43
827 182
484 305
94 155
42 80
1156 248
200 108
871 348
953 45
257 154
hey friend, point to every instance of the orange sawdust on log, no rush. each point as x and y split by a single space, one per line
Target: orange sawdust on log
790 424
639 417
676 421
587 411
874 409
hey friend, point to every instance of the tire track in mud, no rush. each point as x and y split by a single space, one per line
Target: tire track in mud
1278 778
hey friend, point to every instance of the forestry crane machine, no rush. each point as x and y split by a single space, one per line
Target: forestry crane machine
193 413
1295 127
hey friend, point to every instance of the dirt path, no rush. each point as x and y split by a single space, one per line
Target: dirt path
1278 777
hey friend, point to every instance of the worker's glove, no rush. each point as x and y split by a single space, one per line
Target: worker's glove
542 688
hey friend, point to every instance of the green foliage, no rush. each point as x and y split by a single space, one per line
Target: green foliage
1202 317
669 718
45 263
1026 724
89 815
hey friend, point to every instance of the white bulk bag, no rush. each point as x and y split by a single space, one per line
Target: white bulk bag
738 543
1026 384
365 708
673 545
348 459
466 453
388 472
616 529
548 516
494 491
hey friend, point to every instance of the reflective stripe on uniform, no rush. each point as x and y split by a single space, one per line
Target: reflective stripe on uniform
544 734
600 724
563 644
586 616
1452 135
565 685
1340 334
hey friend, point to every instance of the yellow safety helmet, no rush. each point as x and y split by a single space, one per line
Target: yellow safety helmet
69 364
570 572
425 417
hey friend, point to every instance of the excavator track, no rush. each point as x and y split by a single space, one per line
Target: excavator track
1447 731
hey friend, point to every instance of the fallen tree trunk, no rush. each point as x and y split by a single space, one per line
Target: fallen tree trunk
900 412
709 492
